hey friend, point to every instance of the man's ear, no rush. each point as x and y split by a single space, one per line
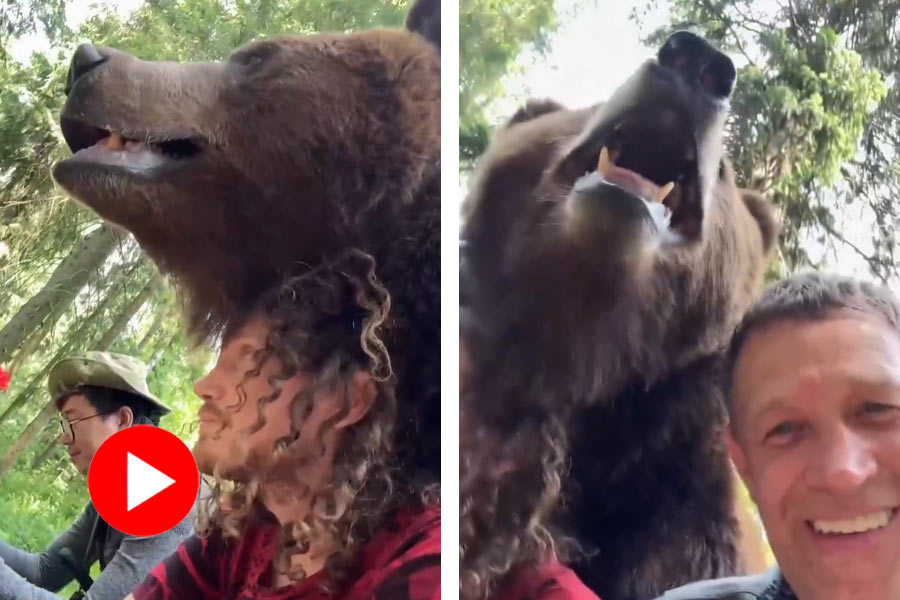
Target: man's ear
736 453
362 393
424 18
125 417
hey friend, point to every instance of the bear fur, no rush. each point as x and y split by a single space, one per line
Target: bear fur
584 311
236 174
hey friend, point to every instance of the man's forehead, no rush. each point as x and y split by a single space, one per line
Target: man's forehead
253 331
74 403
812 340
791 357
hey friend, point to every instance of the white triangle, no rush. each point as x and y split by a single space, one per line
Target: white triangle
143 481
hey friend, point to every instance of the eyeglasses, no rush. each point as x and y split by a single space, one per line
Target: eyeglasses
67 428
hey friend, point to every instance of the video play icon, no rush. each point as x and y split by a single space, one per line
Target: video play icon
143 480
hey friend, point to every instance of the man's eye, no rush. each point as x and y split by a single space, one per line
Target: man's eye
879 412
782 431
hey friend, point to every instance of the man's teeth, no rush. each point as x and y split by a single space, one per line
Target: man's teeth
857 525
605 164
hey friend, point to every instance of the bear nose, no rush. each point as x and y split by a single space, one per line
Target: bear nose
86 58
698 63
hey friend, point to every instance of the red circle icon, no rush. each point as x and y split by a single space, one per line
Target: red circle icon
143 480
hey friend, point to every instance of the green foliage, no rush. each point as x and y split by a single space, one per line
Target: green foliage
35 506
212 29
796 122
492 33
20 17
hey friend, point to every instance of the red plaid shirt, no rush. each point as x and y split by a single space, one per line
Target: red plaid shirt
401 562
549 581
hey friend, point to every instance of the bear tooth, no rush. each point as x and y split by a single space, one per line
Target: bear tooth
857 525
115 141
603 163
665 191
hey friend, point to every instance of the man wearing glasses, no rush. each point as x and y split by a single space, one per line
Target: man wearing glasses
97 394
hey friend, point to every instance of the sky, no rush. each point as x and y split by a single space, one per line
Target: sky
595 48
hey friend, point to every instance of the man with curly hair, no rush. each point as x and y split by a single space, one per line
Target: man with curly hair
297 428
491 548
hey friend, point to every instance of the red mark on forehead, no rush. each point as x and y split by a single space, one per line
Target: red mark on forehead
808 386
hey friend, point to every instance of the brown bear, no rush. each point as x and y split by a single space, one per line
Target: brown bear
233 175
606 256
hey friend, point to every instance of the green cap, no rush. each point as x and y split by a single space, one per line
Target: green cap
102 369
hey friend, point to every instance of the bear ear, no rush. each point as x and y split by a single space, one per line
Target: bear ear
534 109
424 18
764 213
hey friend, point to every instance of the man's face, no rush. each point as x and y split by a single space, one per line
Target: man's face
816 435
82 438
232 409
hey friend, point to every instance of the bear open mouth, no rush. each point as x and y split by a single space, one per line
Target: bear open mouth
652 155
136 152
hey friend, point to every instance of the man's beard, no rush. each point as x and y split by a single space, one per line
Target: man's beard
236 464
242 465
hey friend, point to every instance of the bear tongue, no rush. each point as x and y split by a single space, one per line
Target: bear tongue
633 182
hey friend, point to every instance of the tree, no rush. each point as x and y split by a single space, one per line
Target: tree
79 342
492 33
71 275
19 17
212 29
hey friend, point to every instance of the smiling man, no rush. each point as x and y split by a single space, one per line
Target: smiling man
813 384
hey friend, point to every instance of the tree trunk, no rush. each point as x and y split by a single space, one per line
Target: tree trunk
31 431
31 344
160 350
121 322
152 332
43 418
83 262
71 341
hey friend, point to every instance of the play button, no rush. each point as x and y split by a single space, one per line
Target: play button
143 480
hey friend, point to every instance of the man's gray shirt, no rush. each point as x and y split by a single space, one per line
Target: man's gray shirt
26 576
769 585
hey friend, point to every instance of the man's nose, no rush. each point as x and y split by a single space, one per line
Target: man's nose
205 387
65 438
842 462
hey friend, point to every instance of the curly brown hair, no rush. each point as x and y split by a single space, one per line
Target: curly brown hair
511 485
504 523
329 323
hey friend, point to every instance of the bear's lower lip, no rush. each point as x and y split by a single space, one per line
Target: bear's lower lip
96 168
137 159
